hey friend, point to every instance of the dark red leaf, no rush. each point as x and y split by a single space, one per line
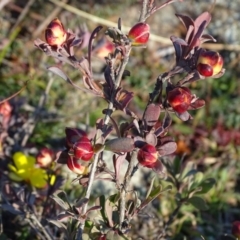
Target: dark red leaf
167 148
199 103
119 145
187 21
152 114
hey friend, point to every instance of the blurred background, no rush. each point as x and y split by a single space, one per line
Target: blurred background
211 141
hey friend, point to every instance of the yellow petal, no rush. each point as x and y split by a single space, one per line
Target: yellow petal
52 179
25 173
20 160
18 175
12 168
38 178
31 161
14 177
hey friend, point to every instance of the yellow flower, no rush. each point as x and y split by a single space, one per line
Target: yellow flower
25 170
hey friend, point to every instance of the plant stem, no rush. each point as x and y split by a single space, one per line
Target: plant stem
122 67
143 11
88 192
124 190
106 121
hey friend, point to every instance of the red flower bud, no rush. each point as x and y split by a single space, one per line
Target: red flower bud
55 33
83 149
236 229
73 135
5 111
205 69
147 156
209 63
74 166
139 34
180 99
45 157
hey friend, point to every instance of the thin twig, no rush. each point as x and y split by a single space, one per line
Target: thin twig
15 94
143 11
163 5
124 190
122 68
88 193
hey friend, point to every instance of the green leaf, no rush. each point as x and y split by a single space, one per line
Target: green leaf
154 194
196 181
177 164
88 224
190 173
114 198
207 185
198 203
167 188
102 201
198 177
150 187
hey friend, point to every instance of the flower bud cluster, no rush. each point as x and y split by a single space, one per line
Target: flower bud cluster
147 156
180 99
80 150
139 34
55 33
209 63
